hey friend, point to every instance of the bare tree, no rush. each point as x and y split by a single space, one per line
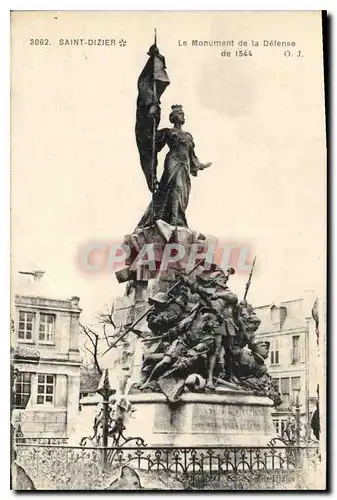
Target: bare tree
106 319
109 332
93 338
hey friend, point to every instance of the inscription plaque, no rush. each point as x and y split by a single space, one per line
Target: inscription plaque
226 419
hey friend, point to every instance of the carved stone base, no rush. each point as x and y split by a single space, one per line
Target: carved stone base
225 418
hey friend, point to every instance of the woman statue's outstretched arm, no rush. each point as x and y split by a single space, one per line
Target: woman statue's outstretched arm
196 165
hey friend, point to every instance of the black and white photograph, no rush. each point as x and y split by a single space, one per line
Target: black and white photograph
168 250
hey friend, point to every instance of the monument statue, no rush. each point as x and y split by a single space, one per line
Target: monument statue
214 339
170 196
201 338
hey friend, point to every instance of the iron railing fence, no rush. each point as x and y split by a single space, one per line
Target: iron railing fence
59 467
42 440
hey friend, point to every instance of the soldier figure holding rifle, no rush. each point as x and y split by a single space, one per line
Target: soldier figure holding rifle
214 292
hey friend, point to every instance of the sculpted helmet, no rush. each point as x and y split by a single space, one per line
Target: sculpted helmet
195 383
211 310
254 347
159 298
263 343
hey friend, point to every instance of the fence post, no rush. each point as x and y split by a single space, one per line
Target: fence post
298 432
106 392
298 422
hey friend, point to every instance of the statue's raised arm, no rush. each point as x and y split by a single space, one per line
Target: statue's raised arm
196 165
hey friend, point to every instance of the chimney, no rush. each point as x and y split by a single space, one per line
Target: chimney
37 275
74 302
309 297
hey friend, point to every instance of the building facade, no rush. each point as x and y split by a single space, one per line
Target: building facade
295 359
46 364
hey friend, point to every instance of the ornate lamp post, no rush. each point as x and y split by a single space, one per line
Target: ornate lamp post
106 392
111 420
298 421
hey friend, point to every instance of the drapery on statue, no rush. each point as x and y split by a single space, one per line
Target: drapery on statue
170 196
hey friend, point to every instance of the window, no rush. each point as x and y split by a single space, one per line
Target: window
275 315
22 389
295 352
280 426
46 328
26 323
295 389
283 315
283 426
274 352
276 426
285 391
45 389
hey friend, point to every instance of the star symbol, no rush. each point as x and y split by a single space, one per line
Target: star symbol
122 42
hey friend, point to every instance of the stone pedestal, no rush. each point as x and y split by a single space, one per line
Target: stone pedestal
227 418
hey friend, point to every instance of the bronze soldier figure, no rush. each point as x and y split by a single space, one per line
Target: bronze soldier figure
247 324
167 312
192 339
212 288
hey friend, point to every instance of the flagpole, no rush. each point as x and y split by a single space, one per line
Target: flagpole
249 279
153 139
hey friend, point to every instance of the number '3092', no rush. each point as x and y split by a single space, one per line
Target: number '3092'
39 41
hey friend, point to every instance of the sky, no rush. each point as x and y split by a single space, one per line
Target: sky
75 172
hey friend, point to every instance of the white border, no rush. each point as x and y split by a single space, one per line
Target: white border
5 7
168 5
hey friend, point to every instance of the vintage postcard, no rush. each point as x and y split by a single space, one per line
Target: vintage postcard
168 214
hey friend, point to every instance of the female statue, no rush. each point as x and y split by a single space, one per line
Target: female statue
171 194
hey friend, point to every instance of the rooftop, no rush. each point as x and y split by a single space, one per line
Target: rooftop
286 315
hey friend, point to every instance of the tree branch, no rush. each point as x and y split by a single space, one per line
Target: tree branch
105 335
106 317
89 333
87 348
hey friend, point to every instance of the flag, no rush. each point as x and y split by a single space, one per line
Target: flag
152 82
315 315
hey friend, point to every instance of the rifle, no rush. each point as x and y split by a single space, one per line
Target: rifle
142 316
249 279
